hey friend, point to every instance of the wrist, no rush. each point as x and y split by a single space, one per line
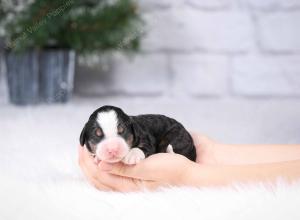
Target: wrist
193 175
202 175
207 150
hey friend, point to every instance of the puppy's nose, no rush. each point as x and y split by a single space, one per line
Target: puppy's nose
112 148
113 151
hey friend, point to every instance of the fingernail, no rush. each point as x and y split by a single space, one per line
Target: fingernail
105 166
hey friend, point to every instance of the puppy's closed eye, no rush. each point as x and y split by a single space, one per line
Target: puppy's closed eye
98 132
120 129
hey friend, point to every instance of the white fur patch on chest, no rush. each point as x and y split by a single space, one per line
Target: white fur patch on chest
108 122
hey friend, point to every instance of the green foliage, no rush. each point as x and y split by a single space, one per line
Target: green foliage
2 12
82 25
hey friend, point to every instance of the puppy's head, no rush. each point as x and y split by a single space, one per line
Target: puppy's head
108 134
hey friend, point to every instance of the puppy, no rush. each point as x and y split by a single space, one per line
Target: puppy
112 136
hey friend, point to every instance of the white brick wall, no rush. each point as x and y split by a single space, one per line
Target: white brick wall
273 4
210 4
268 75
208 48
143 74
188 29
200 75
213 48
280 31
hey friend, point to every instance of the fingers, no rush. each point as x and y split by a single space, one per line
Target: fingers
94 181
90 170
201 140
160 167
200 145
205 147
142 170
105 181
111 180
121 184
86 160
127 184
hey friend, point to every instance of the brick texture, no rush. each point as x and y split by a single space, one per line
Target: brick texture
187 29
138 75
267 75
200 75
211 48
210 4
280 32
273 4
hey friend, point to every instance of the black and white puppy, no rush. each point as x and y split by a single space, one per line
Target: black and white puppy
112 136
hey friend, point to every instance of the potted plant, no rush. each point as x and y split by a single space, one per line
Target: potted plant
24 66
45 36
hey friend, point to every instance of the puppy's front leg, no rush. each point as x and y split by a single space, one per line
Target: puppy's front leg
134 156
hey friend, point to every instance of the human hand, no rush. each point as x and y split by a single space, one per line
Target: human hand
206 149
155 171
150 173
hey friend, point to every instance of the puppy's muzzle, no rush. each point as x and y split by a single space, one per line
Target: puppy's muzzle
112 149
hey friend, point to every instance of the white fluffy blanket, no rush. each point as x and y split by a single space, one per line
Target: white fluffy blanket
40 178
53 188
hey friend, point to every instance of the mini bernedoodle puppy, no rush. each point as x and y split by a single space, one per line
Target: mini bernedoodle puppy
112 136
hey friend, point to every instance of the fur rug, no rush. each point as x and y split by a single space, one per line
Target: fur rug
52 187
40 178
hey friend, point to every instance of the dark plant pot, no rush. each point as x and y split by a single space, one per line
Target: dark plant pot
23 77
56 75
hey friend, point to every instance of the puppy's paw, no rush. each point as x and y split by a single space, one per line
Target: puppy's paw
134 156
170 149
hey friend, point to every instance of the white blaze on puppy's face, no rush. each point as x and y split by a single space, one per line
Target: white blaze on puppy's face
113 148
108 122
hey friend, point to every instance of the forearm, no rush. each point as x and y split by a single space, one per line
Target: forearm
219 175
253 154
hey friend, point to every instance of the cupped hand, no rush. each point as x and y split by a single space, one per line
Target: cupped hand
206 149
158 170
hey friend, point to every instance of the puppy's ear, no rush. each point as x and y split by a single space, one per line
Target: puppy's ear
136 131
83 135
